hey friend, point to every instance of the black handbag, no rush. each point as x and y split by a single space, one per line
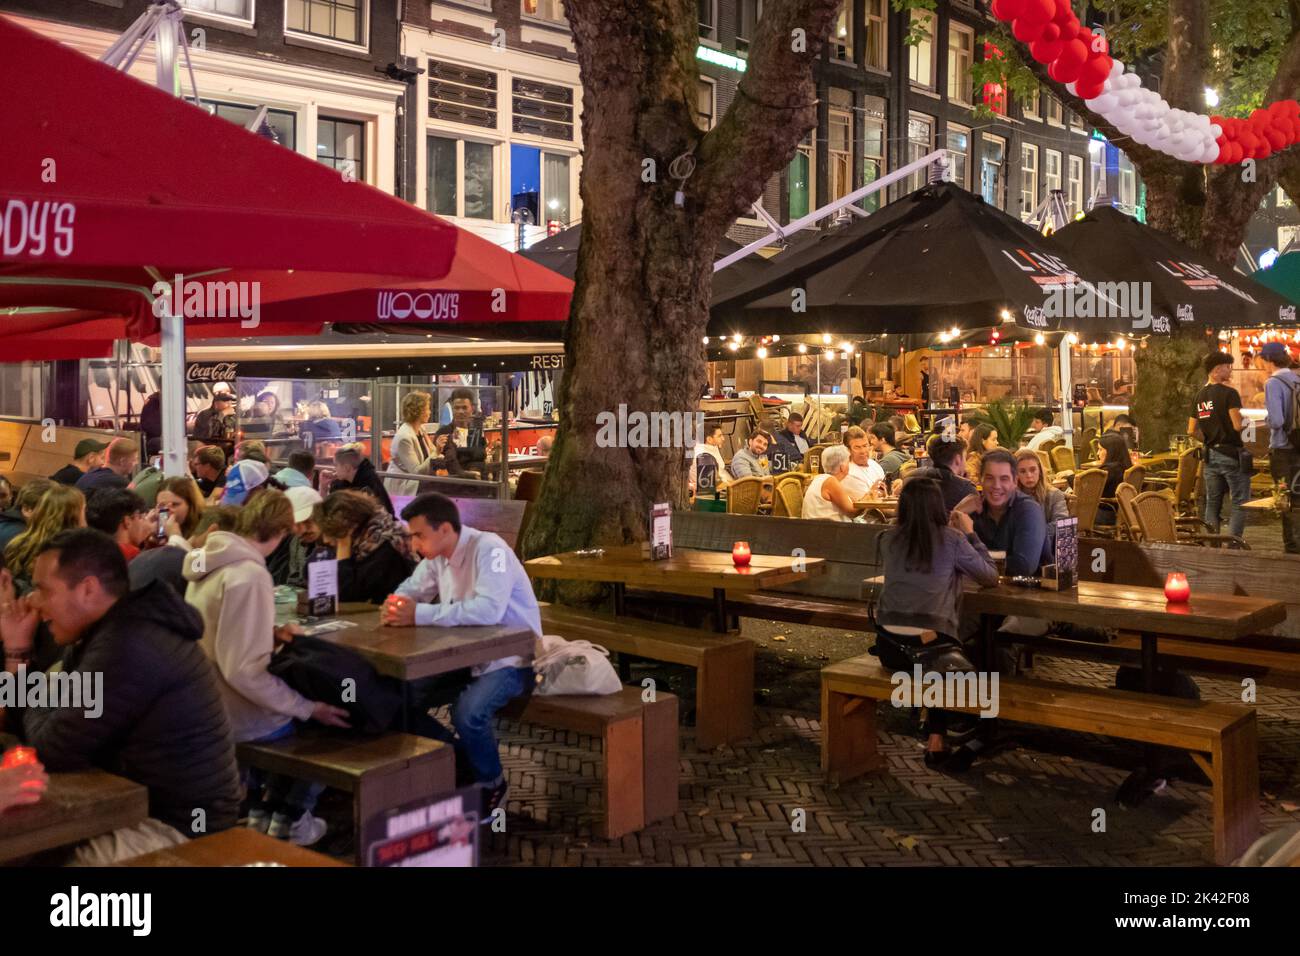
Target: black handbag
340 676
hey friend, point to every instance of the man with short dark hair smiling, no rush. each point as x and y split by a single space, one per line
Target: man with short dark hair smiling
160 720
1008 519
468 577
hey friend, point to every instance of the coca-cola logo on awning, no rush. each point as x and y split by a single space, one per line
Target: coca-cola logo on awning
215 372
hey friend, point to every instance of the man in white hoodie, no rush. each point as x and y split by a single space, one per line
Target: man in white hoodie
232 589
467 577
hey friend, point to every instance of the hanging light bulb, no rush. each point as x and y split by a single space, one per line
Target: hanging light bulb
826 338
776 338
1006 315
803 349
829 354
1072 339
954 332
1040 339
706 340
733 345
1121 344
762 352
846 348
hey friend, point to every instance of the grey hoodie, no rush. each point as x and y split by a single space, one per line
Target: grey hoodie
232 589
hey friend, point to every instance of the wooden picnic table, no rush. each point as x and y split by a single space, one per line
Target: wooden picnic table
75 807
238 846
685 571
1207 616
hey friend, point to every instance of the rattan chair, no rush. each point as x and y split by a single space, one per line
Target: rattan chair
1183 483
1088 486
1135 475
1155 516
1045 464
746 495
788 499
812 461
1063 459
1128 520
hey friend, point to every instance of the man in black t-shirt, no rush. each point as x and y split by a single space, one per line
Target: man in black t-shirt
1217 416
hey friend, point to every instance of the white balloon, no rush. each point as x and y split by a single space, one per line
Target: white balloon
1211 153
1116 69
1101 104
1072 88
1215 131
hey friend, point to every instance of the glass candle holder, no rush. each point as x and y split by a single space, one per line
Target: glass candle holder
18 756
1177 590
740 554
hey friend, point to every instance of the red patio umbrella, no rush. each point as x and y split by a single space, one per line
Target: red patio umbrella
110 185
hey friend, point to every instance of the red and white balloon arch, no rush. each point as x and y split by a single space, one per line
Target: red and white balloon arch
1080 59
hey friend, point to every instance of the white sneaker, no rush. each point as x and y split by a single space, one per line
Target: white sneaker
304 831
259 820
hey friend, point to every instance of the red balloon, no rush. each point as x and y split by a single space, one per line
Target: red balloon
1277 139
1263 150
1027 31
1040 9
1089 89
1063 12
1008 10
1044 51
1095 70
1051 33
1066 67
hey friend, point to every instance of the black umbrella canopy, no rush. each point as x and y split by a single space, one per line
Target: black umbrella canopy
1167 285
935 259
559 253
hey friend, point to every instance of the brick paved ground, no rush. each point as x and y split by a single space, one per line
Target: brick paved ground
1030 803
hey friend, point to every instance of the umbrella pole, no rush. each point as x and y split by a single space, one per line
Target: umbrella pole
1067 401
173 395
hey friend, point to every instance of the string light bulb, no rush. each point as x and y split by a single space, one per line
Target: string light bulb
803 349
762 352
826 338
1040 339
1072 339
846 348
733 345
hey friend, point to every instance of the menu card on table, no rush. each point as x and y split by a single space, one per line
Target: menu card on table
1064 573
661 531
322 587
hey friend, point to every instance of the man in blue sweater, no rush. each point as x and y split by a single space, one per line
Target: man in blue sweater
1008 519
1283 455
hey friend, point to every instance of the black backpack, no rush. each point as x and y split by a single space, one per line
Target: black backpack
317 669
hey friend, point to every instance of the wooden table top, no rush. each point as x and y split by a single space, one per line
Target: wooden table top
409 653
238 846
75 807
1208 616
1261 504
685 569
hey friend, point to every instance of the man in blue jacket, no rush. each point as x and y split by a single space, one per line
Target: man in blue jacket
1283 454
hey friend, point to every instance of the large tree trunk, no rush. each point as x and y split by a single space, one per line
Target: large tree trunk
644 263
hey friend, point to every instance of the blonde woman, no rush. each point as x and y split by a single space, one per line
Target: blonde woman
63 507
414 451
1029 476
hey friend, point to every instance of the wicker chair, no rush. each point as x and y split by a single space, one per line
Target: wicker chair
1088 486
788 500
1063 459
1048 445
1135 476
745 496
1155 515
1045 464
1128 519
1183 483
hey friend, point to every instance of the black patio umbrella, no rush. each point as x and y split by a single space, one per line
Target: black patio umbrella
936 259
1168 285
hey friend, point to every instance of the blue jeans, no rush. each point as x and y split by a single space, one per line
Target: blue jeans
277 793
1224 472
1284 464
472 713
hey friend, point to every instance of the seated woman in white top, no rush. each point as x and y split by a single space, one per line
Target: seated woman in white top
826 496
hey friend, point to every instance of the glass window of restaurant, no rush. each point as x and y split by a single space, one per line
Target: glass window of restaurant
341 144
343 21
841 39
241 10
747 26
704 106
1051 169
281 126
1030 105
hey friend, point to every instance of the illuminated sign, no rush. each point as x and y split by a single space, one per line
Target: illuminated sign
710 55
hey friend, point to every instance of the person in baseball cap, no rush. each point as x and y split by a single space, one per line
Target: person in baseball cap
87 456
1280 392
241 480
306 538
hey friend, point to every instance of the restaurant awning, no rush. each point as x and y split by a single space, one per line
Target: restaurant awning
1176 286
933 260
1283 277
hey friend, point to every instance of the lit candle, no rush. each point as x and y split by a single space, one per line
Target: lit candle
17 756
1177 590
740 554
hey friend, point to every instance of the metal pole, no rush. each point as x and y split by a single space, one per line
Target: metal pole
173 395
505 440
1067 400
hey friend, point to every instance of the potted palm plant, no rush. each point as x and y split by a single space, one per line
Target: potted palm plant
1011 419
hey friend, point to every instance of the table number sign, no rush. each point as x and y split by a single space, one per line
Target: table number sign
661 531
322 588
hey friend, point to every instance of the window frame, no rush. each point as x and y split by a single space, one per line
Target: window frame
808 149
713 100
914 54
364 136
923 174
460 140
1001 191
956 29
562 20
843 156
1036 112
222 17
363 30
1054 114
948 131
712 34
742 29
1060 169
883 21
1027 209
1070 204
833 43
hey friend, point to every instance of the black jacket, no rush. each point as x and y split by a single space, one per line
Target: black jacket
375 576
163 724
12 525
474 455
367 479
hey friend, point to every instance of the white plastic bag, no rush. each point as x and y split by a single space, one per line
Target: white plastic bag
573 667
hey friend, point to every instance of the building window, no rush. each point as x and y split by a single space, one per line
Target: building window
839 144
1127 188
551 10
1031 105
1076 121
341 20
1028 179
958 147
877 53
842 33
462 94
704 106
873 150
1051 169
1055 115
993 186
460 177
542 109
233 9
920 68
341 144
708 19
801 185
961 53
539 183
920 141
280 126
1074 193
750 11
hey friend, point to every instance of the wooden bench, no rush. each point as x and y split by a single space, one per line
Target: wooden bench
381 772
238 846
1220 737
638 749
724 664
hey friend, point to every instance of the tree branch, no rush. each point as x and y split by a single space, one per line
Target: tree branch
775 105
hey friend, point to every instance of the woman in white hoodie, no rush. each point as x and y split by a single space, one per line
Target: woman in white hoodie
232 589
